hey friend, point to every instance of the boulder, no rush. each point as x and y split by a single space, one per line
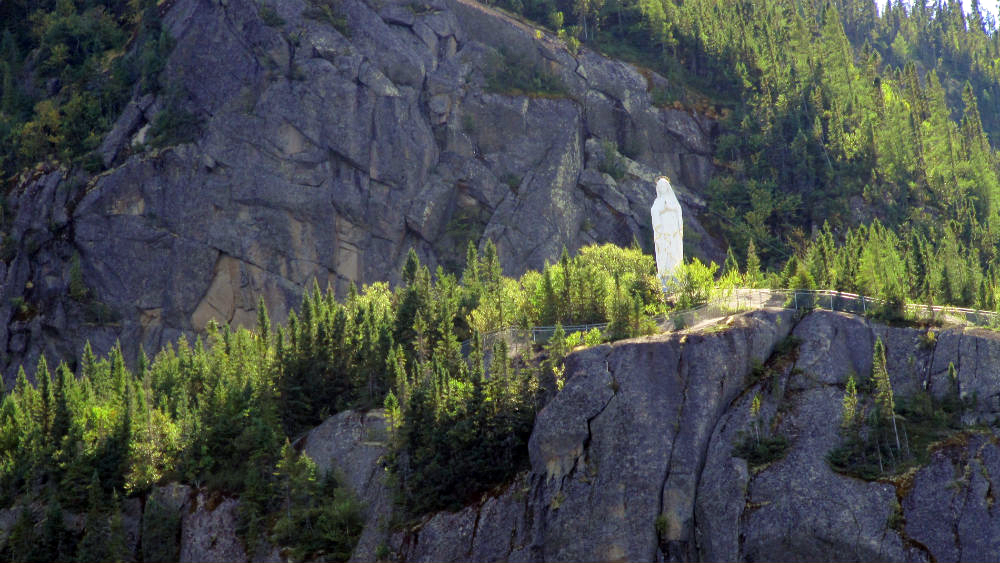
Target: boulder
208 530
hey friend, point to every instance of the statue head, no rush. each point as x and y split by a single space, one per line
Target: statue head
663 188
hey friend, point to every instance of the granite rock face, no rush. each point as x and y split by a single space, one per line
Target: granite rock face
634 458
323 150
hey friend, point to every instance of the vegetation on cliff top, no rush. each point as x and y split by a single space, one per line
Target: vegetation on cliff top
217 414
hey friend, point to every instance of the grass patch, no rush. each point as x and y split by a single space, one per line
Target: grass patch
328 11
782 358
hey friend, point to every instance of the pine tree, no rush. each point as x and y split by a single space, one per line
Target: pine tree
93 545
565 297
23 541
117 547
263 325
43 381
54 541
849 405
752 276
884 399
755 415
549 312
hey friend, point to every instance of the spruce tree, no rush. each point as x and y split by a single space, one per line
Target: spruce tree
94 545
849 405
884 399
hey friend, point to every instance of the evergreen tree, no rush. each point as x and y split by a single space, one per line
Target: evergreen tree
884 398
849 405
94 545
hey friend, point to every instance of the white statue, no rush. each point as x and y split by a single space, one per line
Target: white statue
668 230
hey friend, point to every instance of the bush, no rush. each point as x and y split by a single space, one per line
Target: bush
593 337
759 453
270 16
515 75
611 163
174 125
693 283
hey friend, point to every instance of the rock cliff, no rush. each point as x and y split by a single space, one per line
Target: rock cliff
322 140
634 458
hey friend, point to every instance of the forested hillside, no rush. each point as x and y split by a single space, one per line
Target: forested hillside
215 413
67 68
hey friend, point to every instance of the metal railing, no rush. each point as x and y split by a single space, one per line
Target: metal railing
798 299
735 300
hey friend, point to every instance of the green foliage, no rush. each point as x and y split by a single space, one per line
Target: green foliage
328 11
692 283
762 451
515 74
88 56
660 525
592 337
173 124
161 528
77 288
269 15
611 162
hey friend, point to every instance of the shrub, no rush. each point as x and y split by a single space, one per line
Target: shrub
515 75
270 16
174 125
693 283
759 453
593 337
611 162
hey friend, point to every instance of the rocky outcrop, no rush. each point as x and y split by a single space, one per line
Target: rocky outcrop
352 445
620 448
634 458
329 138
